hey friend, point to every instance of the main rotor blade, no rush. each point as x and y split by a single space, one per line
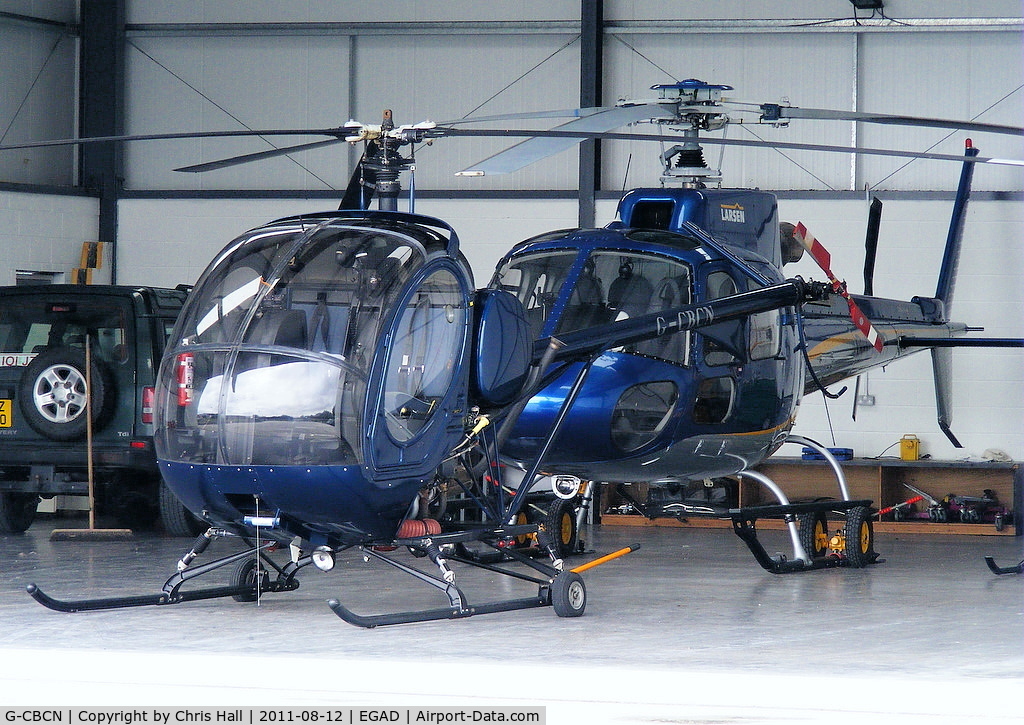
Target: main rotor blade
773 112
335 132
528 115
561 138
578 135
258 156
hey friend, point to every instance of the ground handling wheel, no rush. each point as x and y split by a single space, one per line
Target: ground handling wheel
568 595
813 529
248 573
560 521
859 547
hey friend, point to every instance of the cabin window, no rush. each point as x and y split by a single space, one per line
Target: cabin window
765 335
723 342
642 412
280 335
714 400
536 279
614 286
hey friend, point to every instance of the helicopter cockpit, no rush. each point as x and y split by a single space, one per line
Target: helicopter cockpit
276 347
612 284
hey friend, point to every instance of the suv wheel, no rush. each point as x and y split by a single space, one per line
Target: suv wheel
52 394
177 520
17 511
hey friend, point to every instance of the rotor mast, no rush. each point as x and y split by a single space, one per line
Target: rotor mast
695 103
382 164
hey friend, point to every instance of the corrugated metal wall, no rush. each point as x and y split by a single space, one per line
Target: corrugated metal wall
199 66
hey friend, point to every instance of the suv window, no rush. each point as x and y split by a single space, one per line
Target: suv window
27 327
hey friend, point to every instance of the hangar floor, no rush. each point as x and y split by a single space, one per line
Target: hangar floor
687 629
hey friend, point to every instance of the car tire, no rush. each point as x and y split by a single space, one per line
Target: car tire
52 393
17 512
176 519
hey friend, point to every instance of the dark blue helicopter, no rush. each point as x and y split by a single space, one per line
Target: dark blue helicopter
334 376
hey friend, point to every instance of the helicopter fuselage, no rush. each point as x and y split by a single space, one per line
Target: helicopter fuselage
691 404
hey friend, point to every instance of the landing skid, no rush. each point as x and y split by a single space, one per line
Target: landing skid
171 594
562 590
744 524
1018 569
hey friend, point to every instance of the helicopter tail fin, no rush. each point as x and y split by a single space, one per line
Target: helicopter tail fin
942 357
951 255
942 372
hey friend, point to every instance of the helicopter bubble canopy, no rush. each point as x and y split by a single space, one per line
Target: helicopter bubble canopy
336 344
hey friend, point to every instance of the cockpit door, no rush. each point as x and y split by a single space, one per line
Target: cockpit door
420 376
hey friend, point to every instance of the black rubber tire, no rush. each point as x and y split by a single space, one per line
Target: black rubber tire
568 595
560 522
63 369
860 537
245 574
176 519
135 510
17 512
524 541
813 530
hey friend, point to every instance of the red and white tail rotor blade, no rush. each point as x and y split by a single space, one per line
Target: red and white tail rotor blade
824 260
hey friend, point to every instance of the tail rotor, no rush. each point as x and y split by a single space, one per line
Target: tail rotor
824 260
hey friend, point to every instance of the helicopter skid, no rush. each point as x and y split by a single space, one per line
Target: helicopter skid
563 590
744 523
171 594
999 570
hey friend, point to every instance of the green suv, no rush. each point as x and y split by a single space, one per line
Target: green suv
47 333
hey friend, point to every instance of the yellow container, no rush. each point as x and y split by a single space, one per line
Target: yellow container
910 447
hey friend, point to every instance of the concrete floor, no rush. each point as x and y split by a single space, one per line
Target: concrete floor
687 629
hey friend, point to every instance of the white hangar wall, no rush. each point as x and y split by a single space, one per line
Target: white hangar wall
183 74
170 242
43 232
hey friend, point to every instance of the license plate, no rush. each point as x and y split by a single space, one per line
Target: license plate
5 413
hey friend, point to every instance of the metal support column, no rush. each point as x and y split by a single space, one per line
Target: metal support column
591 81
102 110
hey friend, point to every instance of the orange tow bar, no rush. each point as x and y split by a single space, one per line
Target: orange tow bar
605 559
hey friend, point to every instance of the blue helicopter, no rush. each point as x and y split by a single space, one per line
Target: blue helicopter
336 380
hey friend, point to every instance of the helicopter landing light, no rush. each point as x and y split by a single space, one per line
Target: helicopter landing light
565 486
323 558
